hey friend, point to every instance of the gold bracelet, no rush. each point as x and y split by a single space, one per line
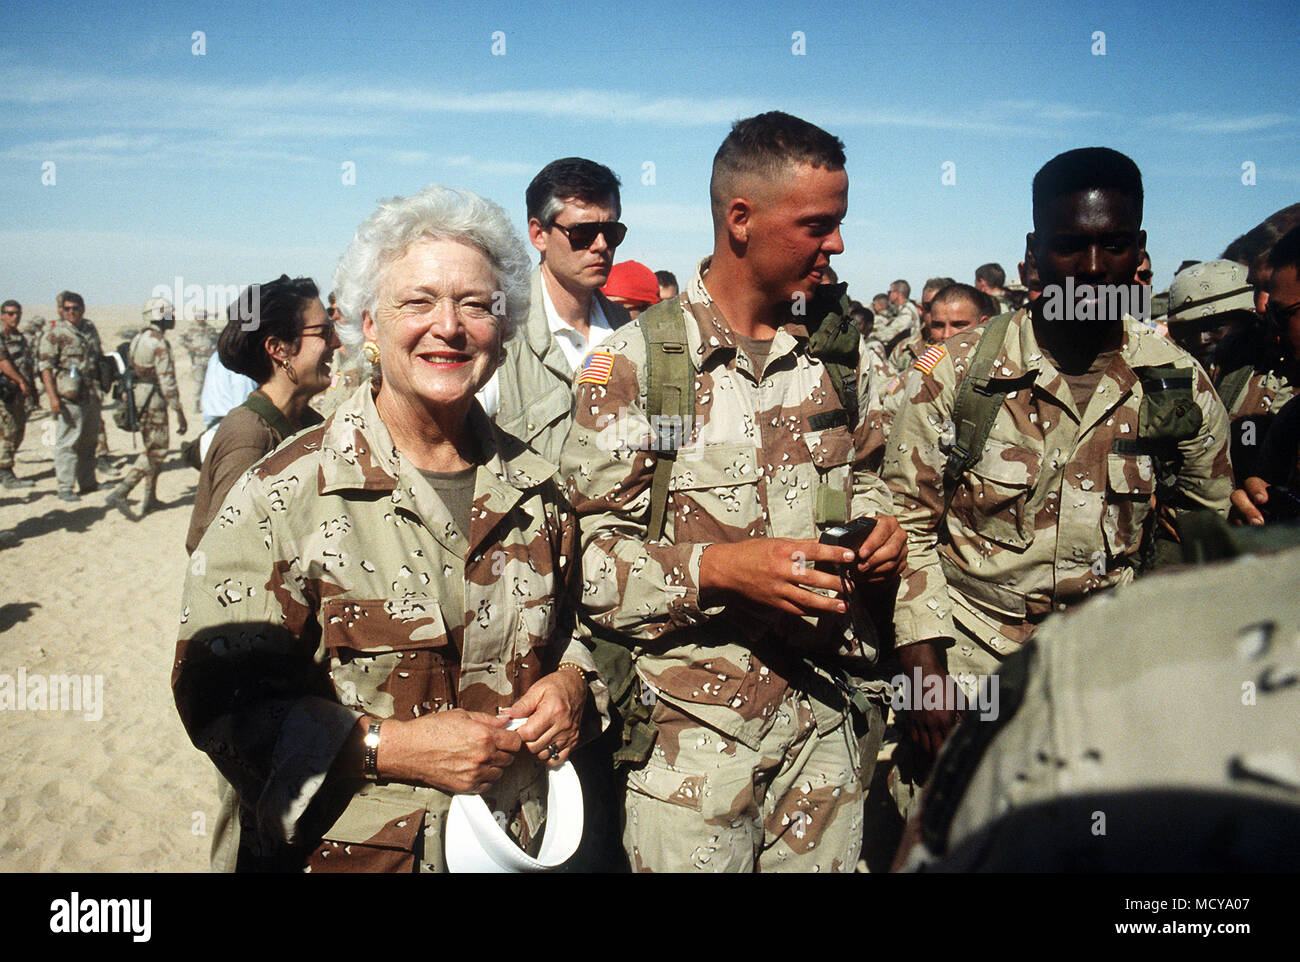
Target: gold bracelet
576 667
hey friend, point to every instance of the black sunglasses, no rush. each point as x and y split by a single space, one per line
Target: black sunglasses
582 236
1279 315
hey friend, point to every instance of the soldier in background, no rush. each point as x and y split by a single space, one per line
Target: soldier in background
906 351
17 373
68 363
667 284
756 764
904 319
200 341
991 279
150 356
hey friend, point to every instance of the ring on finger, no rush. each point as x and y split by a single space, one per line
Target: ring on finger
553 750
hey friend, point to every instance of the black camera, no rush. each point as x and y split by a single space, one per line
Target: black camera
848 535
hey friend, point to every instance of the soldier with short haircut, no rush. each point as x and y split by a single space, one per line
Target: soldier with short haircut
904 319
155 390
707 573
16 391
991 279
200 341
69 366
1089 421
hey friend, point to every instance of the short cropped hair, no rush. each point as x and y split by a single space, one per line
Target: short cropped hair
1086 168
1286 252
1252 247
984 305
278 307
11 303
991 274
435 213
570 178
74 297
902 287
666 279
936 284
764 145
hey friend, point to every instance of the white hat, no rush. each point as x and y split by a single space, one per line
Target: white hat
475 842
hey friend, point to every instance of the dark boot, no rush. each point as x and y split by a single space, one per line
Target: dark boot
8 479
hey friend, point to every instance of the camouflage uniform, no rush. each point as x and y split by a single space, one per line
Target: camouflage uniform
72 355
200 342
1117 750
101 437
13 412
334 583
904 321
756 762
1050 514
155 392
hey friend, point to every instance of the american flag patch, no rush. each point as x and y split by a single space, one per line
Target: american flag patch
596 368
930 358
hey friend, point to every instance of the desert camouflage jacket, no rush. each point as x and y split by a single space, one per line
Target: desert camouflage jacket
319 594
151 357
14 349
750 467
1265 393
72 354
1056 506
904 322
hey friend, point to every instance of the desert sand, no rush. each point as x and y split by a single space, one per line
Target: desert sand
86 591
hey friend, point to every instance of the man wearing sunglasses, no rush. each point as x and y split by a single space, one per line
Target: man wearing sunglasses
573 211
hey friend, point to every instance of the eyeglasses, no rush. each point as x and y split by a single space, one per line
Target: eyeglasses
1145 276
582 236
73 307
326 331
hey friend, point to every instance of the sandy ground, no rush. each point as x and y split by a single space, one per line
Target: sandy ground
86 591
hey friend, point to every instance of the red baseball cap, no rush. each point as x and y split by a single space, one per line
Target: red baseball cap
632 281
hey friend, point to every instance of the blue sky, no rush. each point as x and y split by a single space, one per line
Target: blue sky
227 168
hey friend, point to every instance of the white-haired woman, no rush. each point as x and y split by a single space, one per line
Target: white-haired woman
379 598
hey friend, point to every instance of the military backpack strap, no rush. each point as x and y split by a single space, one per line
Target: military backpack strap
974 410
1233 384
670 399
834 340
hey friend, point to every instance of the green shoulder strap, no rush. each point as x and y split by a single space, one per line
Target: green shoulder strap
974 410
833 339
670 398
1232 384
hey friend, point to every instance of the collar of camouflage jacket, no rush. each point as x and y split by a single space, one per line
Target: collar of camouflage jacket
1021 356
711 332
358 453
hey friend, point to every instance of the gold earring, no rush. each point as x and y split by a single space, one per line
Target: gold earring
288 369
371 351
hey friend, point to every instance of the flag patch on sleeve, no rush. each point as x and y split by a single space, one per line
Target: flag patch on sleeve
930 358
596 368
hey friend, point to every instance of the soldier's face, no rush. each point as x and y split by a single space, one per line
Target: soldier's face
72 312
794 229
586 268
951 317
1284 303
11 316
1093 236
439 340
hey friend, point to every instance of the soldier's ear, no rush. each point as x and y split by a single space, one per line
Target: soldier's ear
739 219
537 236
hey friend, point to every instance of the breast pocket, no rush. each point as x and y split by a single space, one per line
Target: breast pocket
997 503
390 658
831 451
713 492
1130 487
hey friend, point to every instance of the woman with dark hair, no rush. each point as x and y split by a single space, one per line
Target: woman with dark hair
279 335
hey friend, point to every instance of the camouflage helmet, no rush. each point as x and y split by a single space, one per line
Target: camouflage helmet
1209 288
157 308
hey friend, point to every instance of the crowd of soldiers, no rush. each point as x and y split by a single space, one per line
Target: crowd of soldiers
1016 462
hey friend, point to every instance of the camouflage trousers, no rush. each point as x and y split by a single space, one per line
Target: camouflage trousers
153 434
198 372
74 444
716 805
13 425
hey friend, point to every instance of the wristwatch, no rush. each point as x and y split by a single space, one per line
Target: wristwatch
369 766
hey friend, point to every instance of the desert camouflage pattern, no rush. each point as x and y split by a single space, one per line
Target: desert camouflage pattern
904 321
15 349
1264 394
748 467
792 804
316 597
1052 512
72 355
199 342
905 352
1215 712
155 391
13 411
